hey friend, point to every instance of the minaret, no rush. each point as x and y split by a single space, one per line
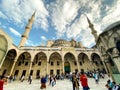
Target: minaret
91 26
27 31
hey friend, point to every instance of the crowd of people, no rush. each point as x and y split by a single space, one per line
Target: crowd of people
78 79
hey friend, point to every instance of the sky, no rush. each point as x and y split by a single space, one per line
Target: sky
57 19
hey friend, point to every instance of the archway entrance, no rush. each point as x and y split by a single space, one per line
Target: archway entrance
67 67
70 64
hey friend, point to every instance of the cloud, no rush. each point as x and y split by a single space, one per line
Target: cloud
44 38
112 15
66 16
69 19
2 15
31 43
19 11
15 32
62 13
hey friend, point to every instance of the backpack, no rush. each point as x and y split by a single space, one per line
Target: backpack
116 87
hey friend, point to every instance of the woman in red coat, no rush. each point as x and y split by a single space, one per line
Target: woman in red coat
2 82
84 81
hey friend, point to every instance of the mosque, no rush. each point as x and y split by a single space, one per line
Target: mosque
60 56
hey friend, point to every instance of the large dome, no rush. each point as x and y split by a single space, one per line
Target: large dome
61 42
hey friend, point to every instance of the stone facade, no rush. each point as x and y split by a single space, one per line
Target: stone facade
108 44
56 59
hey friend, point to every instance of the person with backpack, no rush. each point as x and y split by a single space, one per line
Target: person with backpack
115 86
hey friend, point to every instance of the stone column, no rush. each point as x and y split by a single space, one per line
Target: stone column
116 58
63 67
31 62
78 66
117 63
91 66
11 72
47 66
105 66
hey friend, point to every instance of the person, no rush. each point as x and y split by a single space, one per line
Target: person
84 81
43 82
96 77
53 82
115 86
10 78
75 82
109 85
2 82
22 78
30 79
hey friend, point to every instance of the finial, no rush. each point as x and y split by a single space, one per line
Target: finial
87 19
34 13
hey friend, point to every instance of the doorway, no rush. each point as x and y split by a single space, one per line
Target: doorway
67 67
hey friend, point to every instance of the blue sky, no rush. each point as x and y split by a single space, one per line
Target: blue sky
57 19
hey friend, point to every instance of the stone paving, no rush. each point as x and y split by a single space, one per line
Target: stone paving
61 85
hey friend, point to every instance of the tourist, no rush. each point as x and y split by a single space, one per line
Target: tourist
115 86
22 78
43 82
109 85
75 82
30 79
96 77
50 79
2 82
10 78
84 81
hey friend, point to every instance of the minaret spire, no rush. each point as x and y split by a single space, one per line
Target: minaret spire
91 26
27 30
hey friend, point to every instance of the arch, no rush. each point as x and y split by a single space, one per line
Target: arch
40 56
55 61
82 57
56 56
3 48
9 60
69 56
84 62
22 64
112 39
95 57
11 54
69 61
24 56
40 63
97 61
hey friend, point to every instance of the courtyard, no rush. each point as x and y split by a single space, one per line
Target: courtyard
61 85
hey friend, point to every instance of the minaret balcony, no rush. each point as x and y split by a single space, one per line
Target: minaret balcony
27 27
24 36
